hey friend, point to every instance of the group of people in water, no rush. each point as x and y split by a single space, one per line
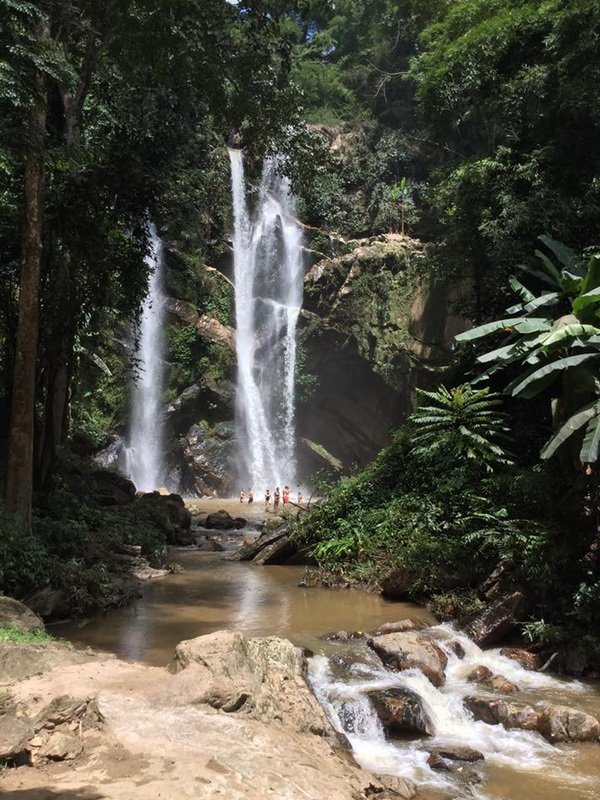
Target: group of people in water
278 496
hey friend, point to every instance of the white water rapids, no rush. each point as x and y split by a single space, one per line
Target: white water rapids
344 697
144 454
267 252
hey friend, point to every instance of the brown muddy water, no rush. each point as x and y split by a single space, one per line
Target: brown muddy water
212 594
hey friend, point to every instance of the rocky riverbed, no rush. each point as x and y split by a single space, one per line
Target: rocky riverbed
232 717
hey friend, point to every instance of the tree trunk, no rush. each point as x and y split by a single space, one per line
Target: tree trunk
19 476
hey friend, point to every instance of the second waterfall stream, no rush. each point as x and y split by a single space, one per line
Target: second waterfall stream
267 253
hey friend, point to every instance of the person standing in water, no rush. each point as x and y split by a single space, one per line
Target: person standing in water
250 496
242 496
276 496
267 499
286 495
299 497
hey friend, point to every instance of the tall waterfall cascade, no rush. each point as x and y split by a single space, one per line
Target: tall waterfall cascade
144 454
267 253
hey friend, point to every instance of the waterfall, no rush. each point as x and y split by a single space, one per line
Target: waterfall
267 254
144 454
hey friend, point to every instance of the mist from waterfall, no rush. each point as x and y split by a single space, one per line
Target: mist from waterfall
144 454
267 254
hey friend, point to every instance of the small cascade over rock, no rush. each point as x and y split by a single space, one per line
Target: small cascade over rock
267 246
144 454
401 722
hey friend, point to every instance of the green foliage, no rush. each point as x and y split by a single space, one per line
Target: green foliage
15 635
463 424
447 526
554 338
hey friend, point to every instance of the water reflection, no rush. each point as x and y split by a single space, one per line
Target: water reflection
212 594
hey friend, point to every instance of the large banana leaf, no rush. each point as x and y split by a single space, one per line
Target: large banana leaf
592 276
591 441
570 331
523 292
574 423
534 383
533 325
585 300
550 268
490 327
567 257
548 299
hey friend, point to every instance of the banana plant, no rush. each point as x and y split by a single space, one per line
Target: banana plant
555 337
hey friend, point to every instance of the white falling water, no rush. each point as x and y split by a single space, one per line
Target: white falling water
267 253
145 451
344 698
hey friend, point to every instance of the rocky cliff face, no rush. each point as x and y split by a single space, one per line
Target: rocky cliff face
374 329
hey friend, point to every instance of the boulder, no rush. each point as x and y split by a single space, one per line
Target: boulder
112 489
457 648
398 584
402 788
564 724
209 546
510 714
497 683
223 521
530 661
457 753
272 531
497 620
411 650
479 674
109 458
15 613
400 626
400 711
14 735
178 513
259 678
278 552
60 747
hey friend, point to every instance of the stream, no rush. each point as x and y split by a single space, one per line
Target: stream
212 594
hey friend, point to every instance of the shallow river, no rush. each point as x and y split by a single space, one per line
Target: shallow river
212 594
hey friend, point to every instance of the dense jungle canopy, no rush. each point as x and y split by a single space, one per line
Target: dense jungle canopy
467 128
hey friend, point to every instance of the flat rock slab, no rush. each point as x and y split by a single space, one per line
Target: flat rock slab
20 661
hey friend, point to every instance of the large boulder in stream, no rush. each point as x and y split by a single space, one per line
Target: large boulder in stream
274 545
401 711
509 713
411 650
223 521
564 724
259 678
497 620
530 661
